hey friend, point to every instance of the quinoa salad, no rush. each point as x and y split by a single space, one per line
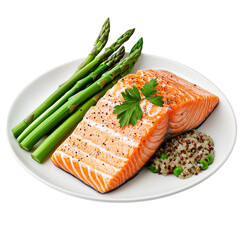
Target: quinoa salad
184 155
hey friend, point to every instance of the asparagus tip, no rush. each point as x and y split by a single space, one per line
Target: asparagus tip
107 23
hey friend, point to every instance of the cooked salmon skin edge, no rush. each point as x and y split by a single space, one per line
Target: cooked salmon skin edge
95 188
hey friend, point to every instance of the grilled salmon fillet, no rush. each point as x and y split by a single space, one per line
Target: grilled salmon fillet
104 156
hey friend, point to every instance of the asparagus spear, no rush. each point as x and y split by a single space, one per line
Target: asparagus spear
66 109
17 130
110 62
98 45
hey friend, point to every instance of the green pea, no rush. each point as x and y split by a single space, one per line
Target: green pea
177 171
210 159
163 156
204 164
153 169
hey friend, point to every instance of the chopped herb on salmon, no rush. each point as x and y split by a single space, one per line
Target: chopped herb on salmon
129 111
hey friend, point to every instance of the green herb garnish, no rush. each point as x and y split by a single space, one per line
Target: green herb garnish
130 111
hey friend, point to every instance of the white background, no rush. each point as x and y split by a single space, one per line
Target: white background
39 35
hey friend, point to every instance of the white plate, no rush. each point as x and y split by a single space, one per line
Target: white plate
221 126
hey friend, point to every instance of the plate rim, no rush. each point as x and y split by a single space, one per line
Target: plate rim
134 199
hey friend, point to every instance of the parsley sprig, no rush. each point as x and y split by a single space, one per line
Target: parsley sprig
130 111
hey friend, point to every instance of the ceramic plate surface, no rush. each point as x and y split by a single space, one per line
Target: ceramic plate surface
221 126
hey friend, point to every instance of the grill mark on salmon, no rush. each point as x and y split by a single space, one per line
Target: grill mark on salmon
99 147
103 128
104 156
